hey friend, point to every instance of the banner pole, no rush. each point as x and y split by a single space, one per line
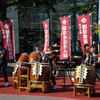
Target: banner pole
70 34
91 27
98 27
70 38
13 24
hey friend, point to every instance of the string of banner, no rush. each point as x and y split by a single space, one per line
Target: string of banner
65 43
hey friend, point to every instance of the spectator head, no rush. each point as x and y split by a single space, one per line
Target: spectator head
93 48
86 47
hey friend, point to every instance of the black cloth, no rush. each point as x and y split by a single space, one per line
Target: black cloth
3 70
92 59
52 77
98 71
52 69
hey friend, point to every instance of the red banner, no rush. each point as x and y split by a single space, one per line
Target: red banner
46 33
65 38
8 39
84 30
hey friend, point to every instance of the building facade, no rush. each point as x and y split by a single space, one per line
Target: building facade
29 31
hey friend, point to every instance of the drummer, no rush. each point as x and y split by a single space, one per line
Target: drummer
49 56
86 51
91 57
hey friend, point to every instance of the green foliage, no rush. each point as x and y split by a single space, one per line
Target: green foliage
47 4
21 4
96 28
85 8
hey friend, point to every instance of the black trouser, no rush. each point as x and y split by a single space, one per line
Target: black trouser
3 70
52 77
98 71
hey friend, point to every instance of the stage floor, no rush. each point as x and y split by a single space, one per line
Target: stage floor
61 92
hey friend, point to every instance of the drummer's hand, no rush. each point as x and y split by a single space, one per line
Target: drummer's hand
56 50
93 65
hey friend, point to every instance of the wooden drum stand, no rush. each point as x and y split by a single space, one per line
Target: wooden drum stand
84 80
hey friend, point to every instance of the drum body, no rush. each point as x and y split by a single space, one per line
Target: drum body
40 72
22 58
33 57
89 77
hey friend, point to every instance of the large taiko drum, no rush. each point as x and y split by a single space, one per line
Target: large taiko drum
23 58
84 76
40 72
33 57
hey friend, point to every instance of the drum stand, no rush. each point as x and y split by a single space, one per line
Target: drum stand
69 74
81 89
45 86
23 78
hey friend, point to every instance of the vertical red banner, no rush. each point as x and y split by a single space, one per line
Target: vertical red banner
46 33
8 39
84 30
65 38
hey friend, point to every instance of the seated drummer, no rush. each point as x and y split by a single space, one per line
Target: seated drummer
86 51
49 56
38 52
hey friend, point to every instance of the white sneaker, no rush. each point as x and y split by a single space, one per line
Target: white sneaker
55 87
6 84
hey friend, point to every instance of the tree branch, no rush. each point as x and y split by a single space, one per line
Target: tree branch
13 3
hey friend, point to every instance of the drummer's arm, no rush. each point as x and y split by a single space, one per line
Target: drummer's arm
87 58
2 55
49 52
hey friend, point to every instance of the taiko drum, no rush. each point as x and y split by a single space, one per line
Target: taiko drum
33 57
23 58
90 78
45 75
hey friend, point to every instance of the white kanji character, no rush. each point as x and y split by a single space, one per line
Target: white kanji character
64 32
64 28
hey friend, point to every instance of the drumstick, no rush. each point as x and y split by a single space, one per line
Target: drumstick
40 52
61 49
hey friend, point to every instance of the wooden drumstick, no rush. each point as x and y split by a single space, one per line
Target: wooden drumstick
61 49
